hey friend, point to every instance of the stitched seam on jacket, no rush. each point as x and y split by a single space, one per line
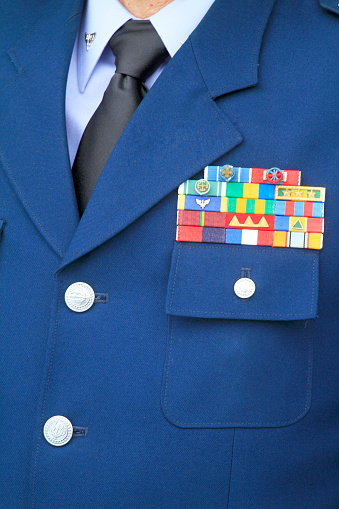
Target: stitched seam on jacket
19 72
46 391
13 49
168 366
11 83
258 34
175 275
35 27
76 15
230 476
237 424
216 109
313 285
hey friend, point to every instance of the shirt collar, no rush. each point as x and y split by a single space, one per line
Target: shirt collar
174 23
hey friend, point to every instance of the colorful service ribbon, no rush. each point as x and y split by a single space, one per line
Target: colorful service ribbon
228 173
245 208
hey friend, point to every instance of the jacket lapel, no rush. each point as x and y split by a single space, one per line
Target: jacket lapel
33 146
178 128
175 132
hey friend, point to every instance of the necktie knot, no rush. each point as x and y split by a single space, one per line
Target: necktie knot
138 49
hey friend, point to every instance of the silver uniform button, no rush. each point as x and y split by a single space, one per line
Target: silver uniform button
244 288
79 297
58 430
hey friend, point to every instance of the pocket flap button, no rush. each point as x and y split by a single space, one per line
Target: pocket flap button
244 288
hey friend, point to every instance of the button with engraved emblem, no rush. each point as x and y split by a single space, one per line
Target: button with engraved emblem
79 297
58 430
244 288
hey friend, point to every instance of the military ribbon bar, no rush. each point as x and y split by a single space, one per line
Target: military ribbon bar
227 189
251 206
271 238
204 187
250 221
228 173
235 205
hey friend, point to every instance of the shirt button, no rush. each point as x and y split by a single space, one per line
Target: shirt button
58 430
244 288
79 297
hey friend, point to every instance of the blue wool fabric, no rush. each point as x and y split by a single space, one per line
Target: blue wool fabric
193 398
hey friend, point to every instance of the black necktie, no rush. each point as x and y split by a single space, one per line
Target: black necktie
138 52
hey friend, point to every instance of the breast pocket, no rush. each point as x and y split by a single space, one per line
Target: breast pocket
234 362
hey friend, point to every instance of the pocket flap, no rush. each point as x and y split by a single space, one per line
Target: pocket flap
202 278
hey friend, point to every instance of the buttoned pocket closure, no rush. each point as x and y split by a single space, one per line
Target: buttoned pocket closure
235 362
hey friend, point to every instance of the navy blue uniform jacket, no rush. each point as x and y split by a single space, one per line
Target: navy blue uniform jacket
193 398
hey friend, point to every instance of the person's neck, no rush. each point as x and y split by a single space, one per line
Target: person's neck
144 8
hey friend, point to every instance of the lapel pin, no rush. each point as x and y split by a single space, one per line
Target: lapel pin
89 38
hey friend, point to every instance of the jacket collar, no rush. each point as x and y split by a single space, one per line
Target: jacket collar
175 132
228 42
178 128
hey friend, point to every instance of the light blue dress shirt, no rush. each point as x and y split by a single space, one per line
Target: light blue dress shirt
91 69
